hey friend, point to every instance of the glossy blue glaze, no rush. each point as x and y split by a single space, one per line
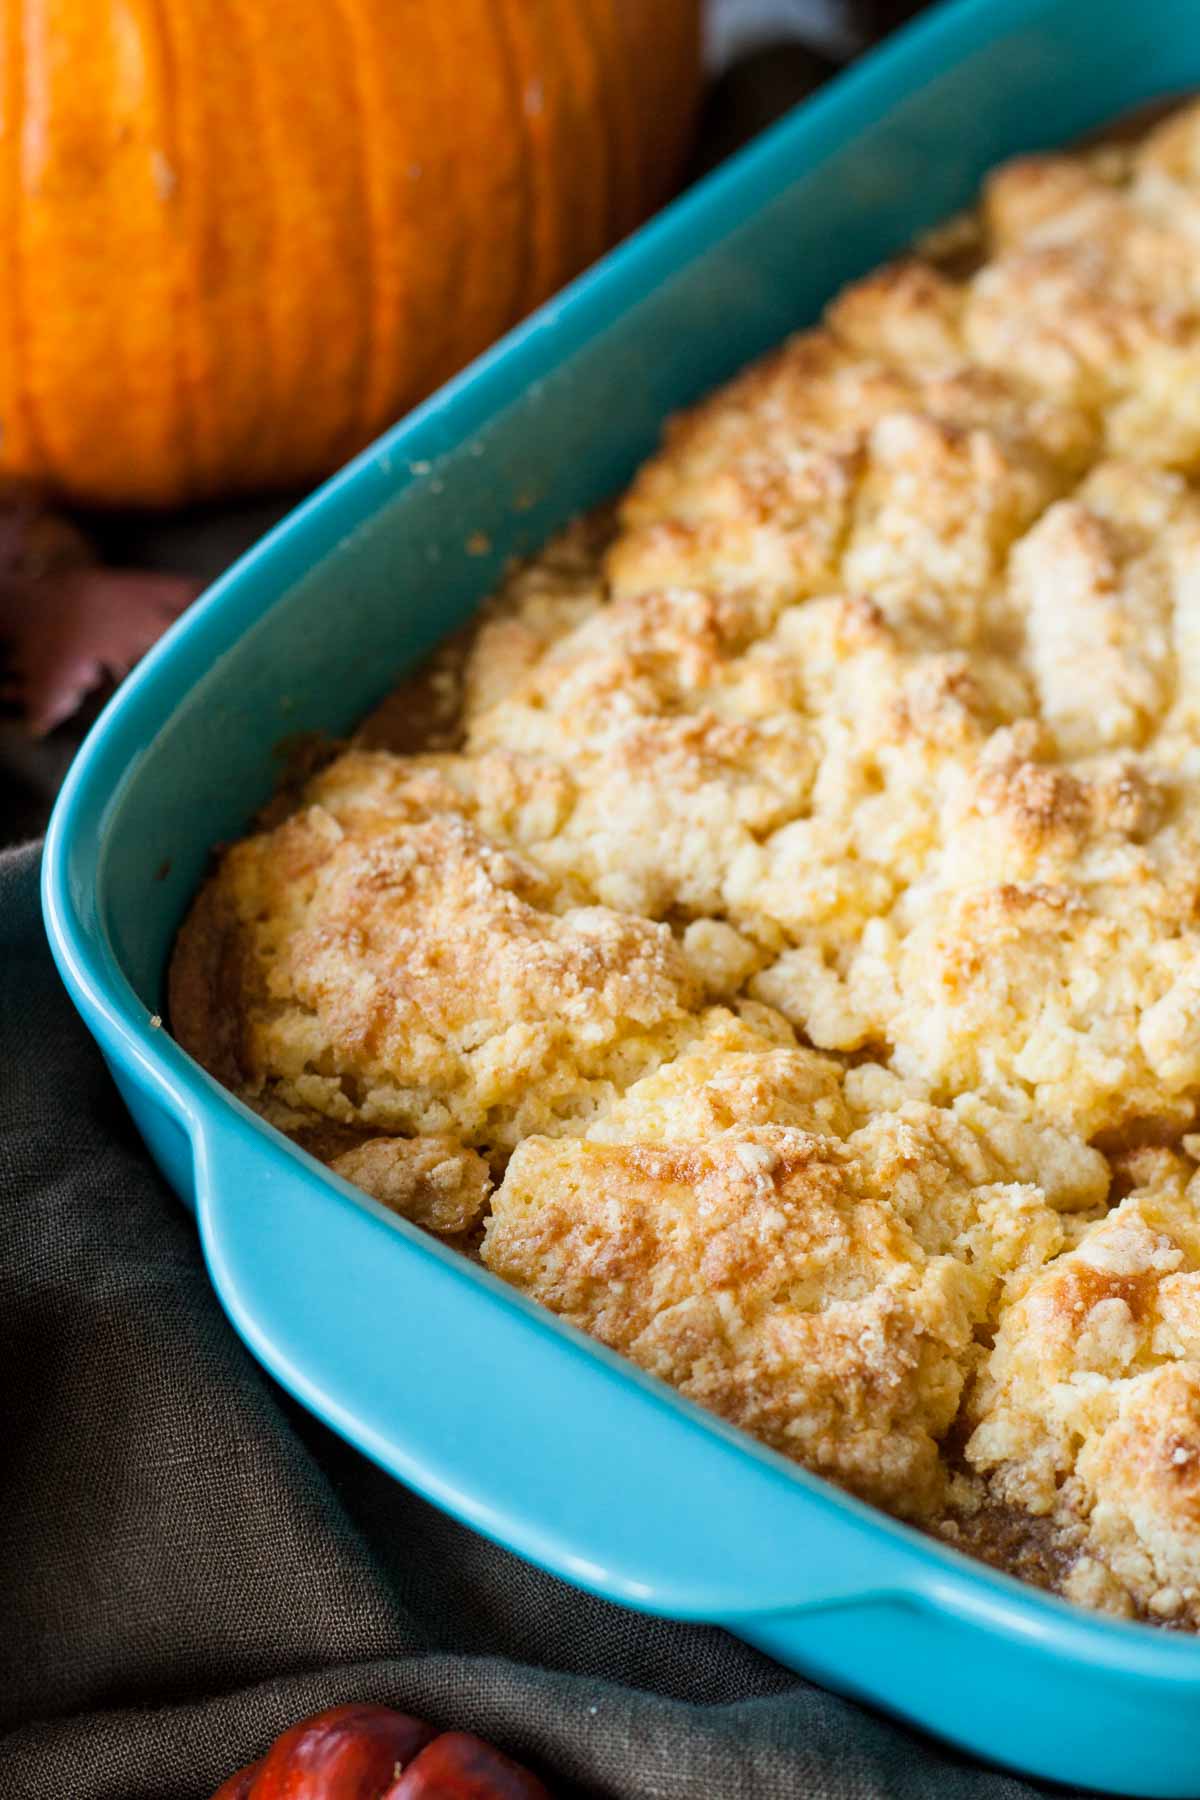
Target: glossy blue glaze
459 1386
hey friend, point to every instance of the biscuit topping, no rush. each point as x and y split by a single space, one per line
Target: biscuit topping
786 966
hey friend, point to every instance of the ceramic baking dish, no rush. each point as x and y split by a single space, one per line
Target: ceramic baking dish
487 1405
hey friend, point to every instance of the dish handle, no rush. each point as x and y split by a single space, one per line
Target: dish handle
498 1413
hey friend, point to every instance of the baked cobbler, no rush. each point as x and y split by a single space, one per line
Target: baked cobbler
783 957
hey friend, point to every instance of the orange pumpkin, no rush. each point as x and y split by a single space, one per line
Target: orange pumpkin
238 237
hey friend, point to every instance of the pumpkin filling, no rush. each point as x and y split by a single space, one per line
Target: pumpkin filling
778 951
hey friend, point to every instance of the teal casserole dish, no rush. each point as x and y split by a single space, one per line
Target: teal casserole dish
453 1382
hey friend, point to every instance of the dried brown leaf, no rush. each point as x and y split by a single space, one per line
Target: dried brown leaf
65 622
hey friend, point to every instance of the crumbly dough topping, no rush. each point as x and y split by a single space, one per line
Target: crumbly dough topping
1090 1402
785 963
820 1282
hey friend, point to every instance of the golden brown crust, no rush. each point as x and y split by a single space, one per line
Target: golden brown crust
781 953
1088 1413
399 971
433 1181
204 986
727 1226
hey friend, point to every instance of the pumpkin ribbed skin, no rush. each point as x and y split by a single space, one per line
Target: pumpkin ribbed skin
238 237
